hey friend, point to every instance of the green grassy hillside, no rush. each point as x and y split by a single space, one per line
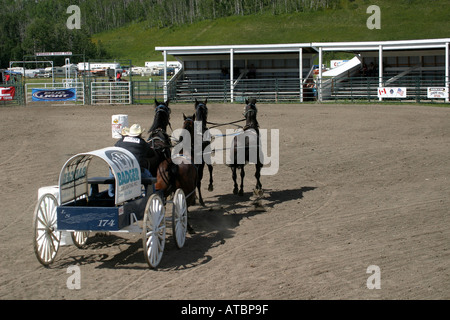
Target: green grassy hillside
400 20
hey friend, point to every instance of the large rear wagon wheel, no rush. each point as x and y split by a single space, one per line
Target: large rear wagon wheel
46 237
154 230
179 218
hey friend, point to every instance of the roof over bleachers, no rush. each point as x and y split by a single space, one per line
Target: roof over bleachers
311 47
237 49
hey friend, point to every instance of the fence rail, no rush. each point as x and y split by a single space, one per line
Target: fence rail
358 88
145 92
265 90
291 90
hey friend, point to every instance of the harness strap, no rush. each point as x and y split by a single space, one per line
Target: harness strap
215 125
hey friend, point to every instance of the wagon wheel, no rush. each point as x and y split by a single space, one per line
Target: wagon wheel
179 218
154 230
79 238
46 238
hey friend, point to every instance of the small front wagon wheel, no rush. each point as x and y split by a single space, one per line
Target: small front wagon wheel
46 237
154 230
179 218
79 238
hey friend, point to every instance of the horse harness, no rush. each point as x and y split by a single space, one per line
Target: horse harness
169 179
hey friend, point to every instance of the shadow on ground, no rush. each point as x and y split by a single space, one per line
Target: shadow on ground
213 225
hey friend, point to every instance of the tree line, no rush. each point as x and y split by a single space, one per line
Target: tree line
30 26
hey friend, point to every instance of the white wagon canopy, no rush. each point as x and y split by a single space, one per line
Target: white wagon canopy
125 170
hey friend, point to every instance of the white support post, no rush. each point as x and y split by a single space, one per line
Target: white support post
232 75
380 69
53 73
447 71
300 76
319 88
165 76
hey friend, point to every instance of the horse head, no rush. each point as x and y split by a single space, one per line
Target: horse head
162 116
201 112
188 123
250 113
162 106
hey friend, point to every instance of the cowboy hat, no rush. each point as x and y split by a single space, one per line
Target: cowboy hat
135 130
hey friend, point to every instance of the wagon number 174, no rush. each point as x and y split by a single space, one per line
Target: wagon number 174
104 223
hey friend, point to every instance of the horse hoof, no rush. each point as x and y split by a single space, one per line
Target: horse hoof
241 193
210 188
190 229
258 192
235 191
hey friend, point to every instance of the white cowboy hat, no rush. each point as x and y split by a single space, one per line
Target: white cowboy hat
135 130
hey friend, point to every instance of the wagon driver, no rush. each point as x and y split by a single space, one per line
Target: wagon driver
132 141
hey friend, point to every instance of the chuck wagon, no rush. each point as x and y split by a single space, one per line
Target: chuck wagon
69 212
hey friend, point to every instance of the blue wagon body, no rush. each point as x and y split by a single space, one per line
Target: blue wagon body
85 217
83 208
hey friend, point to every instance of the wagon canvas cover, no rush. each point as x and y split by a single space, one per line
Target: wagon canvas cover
123 165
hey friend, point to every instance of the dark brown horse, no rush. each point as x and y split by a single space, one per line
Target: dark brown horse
201 114
178 172
246 148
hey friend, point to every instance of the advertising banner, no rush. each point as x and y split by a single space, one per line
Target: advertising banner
54 94
7 94
393 92
437 93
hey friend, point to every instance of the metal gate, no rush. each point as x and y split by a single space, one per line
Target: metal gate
111 92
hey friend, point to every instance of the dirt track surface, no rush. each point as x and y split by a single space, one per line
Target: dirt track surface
358 185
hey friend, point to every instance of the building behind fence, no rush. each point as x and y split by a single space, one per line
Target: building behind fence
413 71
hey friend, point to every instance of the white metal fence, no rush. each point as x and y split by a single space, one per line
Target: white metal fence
111 93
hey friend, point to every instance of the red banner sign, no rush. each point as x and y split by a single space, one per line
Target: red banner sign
7 94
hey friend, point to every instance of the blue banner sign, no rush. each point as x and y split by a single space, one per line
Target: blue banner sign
54 94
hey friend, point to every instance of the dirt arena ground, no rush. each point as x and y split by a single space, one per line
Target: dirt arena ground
357 186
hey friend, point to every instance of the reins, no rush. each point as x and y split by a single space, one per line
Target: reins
215 125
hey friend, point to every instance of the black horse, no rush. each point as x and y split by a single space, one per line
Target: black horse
158 138
246 148
201 114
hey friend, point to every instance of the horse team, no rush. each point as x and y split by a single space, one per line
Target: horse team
180 171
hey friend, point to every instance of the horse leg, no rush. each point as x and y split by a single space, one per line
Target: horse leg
241 191
199 184
190 230
258 188
234 175
210 187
